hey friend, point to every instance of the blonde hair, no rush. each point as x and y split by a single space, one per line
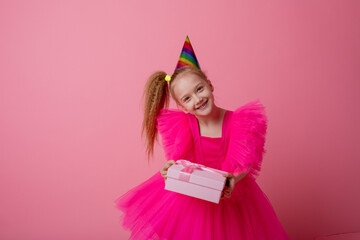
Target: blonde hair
157 95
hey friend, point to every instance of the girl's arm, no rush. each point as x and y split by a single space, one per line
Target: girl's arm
240 176
247 140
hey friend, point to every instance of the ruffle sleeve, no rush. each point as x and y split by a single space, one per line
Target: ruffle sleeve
176 138
247 139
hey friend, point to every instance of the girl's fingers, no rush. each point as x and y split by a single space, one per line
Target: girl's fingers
166 166
231 179
227 175
227 192
169 163
163 173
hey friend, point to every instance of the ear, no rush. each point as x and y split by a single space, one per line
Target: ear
211 86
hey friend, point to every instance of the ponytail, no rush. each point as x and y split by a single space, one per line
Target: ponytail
156 96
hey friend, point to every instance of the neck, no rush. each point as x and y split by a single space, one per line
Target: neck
215 116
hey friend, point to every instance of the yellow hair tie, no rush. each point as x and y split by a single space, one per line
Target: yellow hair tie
168 78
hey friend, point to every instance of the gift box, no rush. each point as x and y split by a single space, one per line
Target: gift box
195 180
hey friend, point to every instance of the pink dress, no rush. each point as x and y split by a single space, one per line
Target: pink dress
151 212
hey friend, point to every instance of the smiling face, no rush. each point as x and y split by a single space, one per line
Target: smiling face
193 94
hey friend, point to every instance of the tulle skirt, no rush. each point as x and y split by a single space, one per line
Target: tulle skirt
151 212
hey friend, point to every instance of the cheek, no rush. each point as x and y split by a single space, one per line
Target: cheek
208 93
188 106
182 106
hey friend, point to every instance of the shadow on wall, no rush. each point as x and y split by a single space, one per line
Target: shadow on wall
340 236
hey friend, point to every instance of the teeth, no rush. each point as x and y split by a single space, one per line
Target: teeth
203 104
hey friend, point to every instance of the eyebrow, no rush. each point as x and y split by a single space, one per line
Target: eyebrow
197 85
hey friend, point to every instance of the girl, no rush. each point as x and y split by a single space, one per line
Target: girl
204 133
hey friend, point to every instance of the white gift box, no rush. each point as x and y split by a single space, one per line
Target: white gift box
195 180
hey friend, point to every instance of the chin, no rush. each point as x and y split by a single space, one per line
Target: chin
204 112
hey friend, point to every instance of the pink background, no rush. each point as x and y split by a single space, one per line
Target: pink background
71 79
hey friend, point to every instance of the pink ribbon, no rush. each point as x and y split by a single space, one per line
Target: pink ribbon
189 167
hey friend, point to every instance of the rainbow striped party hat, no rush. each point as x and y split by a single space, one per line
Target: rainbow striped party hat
187 56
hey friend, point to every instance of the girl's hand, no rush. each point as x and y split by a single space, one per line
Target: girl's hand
232 179
230 187
164 169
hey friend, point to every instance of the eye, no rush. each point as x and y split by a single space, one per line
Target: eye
200 88
186 99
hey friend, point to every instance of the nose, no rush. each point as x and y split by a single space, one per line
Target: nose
198 100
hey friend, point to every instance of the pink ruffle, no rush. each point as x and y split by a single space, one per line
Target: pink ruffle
176 138
247 138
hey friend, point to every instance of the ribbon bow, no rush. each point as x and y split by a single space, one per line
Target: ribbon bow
189 167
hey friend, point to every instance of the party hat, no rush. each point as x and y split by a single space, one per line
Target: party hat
187 56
